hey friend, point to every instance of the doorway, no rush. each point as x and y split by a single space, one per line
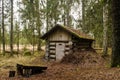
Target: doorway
60 49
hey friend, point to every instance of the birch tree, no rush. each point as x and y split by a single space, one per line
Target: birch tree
105 29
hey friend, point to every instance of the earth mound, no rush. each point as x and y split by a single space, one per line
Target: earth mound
83 57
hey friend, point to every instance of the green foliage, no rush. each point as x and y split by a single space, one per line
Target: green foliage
94 20
35 15
26 52
118 66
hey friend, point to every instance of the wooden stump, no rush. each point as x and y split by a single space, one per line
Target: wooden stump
19 69
11 73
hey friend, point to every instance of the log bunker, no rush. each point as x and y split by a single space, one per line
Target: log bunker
61 40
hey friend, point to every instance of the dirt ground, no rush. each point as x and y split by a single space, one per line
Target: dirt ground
71 71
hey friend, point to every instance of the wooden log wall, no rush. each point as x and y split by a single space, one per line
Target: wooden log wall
76 46
47 50
81 45
67 48
51 49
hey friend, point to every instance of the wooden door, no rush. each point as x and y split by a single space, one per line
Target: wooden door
60 49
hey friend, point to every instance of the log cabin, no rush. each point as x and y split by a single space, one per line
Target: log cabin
61 40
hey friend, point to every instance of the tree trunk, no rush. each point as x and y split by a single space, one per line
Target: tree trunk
17 29
38 24
11 29
105 28
47 21
3 29
39 42
0 39
18 42
83 15
32 24
68 13
64 15
18 32
116 33
33 41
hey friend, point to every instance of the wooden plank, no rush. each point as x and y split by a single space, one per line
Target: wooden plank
30 66
67 48
52 47
52 56
60 35
66 52
51 43
52 51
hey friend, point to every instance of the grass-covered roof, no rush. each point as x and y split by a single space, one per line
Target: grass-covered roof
74 32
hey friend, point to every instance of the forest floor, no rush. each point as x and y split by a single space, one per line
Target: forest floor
91 67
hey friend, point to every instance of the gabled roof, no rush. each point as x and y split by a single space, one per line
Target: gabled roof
72 31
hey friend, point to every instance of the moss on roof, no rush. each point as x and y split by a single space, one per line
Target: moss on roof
75 32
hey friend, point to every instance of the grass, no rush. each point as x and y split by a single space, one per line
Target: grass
57 71
9 63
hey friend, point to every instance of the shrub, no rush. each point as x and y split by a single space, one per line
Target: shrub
27 53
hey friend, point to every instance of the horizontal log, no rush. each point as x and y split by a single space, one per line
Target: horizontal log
52 51
30 67
52 56
66 52
51 43
67 48
51 47
67 44
58 41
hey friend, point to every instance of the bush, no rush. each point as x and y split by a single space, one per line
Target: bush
27 53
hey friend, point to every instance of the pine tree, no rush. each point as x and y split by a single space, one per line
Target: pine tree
11 29
116 33
3 28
